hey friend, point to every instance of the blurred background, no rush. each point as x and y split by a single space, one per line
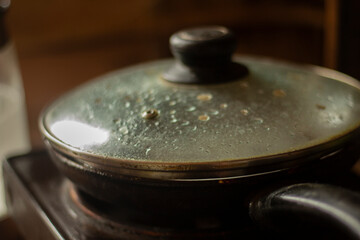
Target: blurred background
63 43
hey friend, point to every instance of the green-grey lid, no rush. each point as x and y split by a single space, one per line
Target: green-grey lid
135 122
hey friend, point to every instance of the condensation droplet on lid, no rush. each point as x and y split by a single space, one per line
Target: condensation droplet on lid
244 112
258 120
127 104
173 120
223 105
157 124
204 118
185 123
117 120
195 127
330 98
214 112
320 107
204 97
150 114
172 103
167 98
124 130
172 111
147 151
191 109
279 93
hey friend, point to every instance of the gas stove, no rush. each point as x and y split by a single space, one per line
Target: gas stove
45 205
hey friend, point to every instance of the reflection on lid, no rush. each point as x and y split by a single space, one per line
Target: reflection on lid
79 134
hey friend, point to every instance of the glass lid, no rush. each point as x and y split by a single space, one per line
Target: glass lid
270 114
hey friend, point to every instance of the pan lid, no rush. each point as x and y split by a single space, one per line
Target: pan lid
181 119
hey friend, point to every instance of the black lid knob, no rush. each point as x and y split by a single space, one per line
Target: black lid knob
200 47
204 56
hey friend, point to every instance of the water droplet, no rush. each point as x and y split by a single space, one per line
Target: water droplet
167 98
279 93
127 104
204 97
174 120
124 130
172 111
191 109
185 123
150 114
147 151
204 118
214 112
195 127
117 120
320 107
223 105
241 131
172 103
258 120
244 112
157 124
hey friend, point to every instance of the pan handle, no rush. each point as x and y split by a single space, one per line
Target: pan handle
318 209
